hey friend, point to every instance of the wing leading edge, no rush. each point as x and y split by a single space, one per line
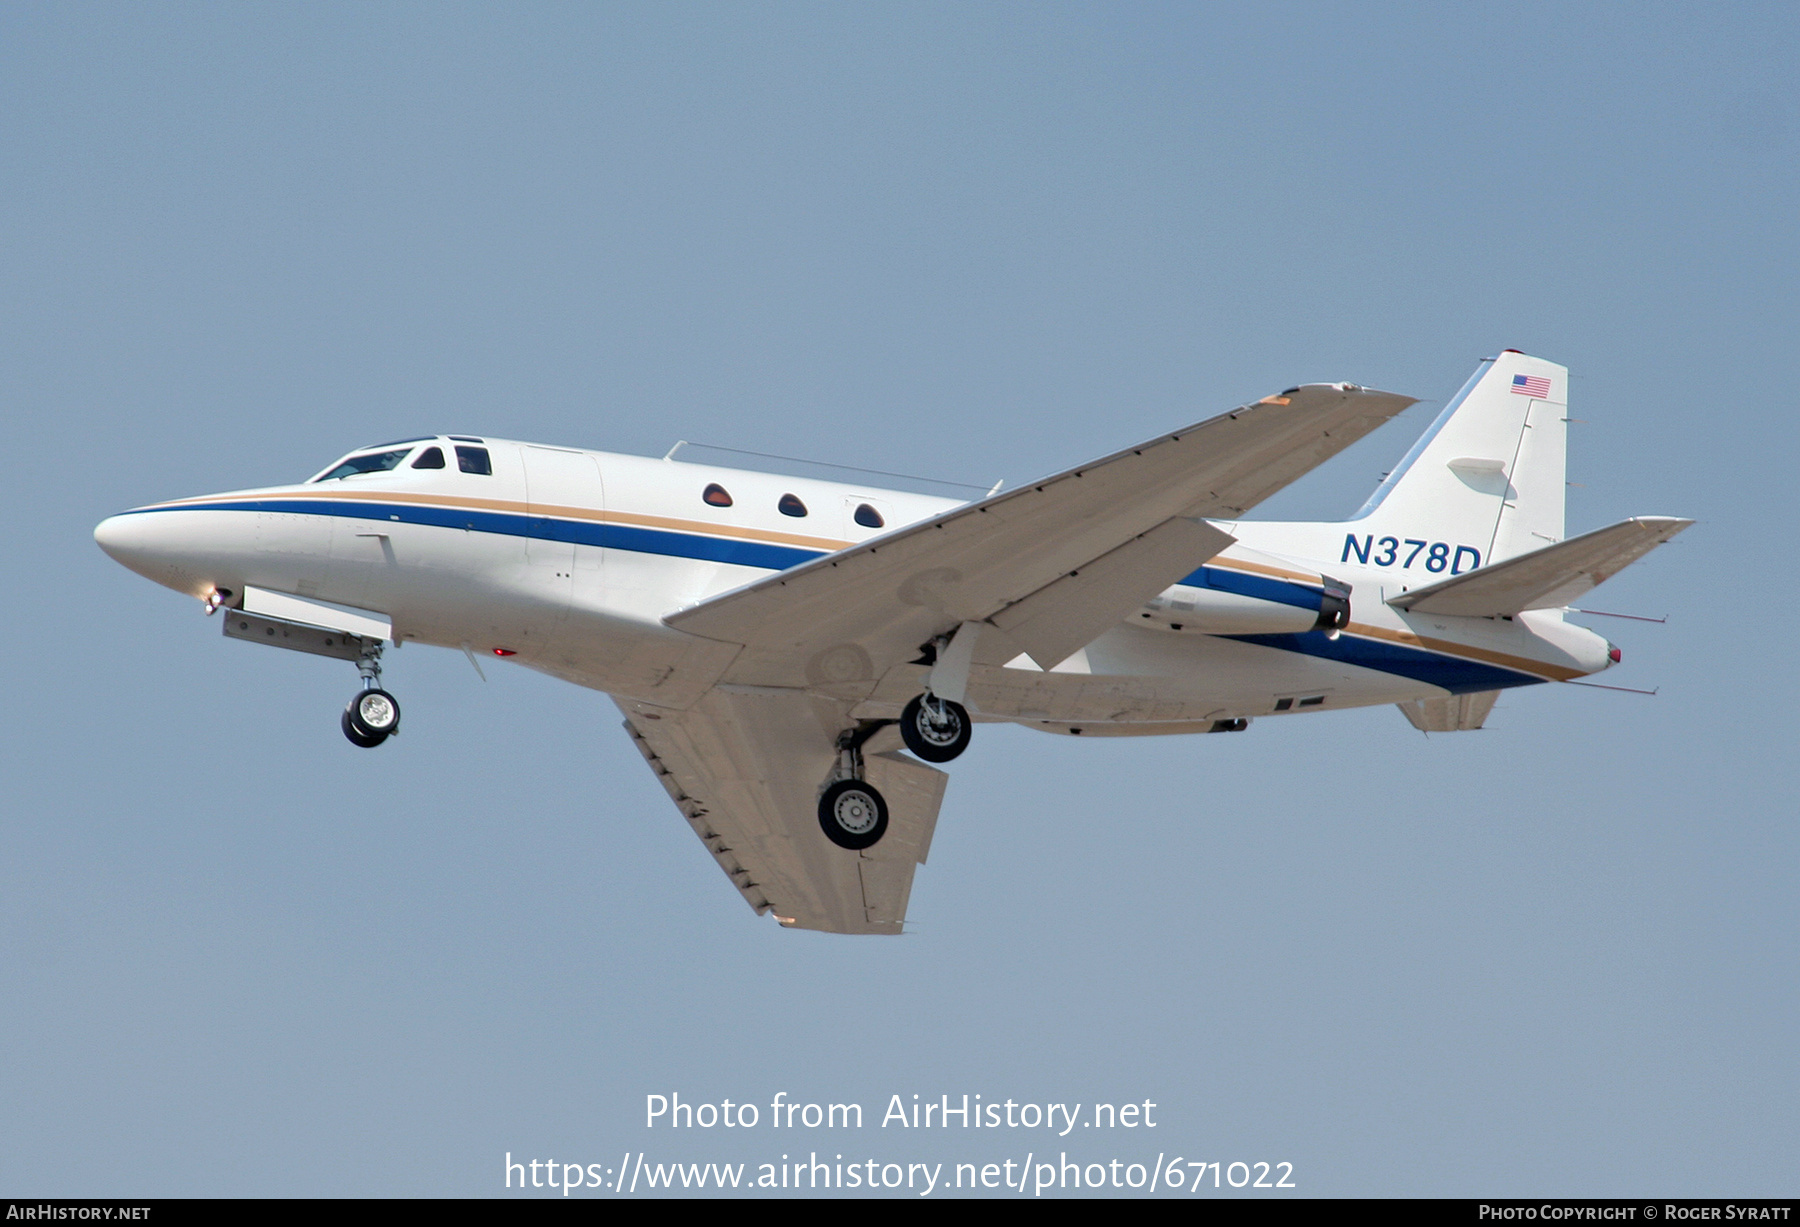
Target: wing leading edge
847 617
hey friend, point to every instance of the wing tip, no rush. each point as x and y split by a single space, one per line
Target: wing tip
1389 403
1668 524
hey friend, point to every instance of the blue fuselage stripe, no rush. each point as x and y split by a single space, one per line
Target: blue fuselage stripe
542 528
1453 673
1456 674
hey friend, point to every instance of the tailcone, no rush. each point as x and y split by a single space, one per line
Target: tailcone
1580 648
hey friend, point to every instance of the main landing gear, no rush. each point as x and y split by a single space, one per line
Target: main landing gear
852 813
934 729
373 715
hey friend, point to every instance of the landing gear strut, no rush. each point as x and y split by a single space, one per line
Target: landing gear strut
852 813
934 729
373 715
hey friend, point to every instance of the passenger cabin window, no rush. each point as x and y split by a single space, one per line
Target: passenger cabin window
716 495
868 517
474 460
790 505
433 458
374 462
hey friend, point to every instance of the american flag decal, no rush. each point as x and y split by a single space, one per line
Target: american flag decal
1532 385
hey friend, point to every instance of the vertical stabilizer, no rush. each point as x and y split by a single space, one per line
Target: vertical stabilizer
1489 474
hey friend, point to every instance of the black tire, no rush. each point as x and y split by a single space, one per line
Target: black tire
375 713
367 741
853 815
936 734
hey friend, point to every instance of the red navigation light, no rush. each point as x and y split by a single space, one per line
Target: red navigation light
504 652
1613 654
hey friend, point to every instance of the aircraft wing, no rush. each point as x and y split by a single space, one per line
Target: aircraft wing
746 770
1022 559
1544 579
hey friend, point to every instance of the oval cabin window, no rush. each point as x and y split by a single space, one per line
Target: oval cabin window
717 496
790 505
868 517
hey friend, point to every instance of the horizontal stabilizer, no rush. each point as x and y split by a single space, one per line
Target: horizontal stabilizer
1544 579
1451 714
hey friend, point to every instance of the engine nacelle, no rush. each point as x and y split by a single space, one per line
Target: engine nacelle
1223 599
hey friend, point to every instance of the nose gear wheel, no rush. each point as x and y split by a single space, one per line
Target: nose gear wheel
366 741
373 715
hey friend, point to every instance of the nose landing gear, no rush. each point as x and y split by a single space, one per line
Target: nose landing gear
373 715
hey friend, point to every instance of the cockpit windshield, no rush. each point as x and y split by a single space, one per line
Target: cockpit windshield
369 462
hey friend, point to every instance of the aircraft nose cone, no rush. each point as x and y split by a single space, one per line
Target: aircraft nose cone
151 547
114 535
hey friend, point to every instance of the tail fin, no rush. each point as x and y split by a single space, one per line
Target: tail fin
1489 473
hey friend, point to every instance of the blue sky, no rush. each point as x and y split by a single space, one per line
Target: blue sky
1551 958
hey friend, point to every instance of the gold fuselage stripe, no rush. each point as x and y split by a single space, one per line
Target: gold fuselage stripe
514 507
829 544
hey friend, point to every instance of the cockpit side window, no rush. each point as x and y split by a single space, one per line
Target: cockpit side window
474 460
372 462
430 458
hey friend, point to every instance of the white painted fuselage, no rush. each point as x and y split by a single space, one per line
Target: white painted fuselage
568 561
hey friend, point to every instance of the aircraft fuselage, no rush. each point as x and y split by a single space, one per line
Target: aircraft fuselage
567 561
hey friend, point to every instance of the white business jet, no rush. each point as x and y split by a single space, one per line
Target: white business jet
775 642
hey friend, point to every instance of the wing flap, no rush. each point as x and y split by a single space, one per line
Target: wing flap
1544 579
848 616
914 792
